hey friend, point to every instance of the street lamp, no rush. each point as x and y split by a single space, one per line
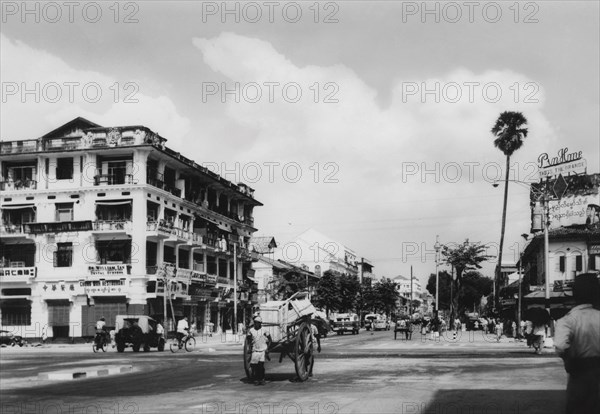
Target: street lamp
437 247
525 236
543 196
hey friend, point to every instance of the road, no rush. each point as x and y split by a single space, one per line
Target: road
365 373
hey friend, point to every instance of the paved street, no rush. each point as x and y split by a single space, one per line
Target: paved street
365 373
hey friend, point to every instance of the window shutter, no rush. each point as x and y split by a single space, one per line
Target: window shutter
578 263
561 264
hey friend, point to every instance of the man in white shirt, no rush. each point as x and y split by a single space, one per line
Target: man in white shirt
182 328
577 342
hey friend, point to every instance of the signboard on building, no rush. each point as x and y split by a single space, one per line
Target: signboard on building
52 290
17 273
594 249
105 287
564 163
108 270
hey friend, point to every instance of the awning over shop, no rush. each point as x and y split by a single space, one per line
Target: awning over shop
113 202
18 206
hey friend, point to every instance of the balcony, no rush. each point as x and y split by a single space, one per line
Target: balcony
117 226
114 179
224 280
20 147
63 144
11 230
156 180
151 270
18 185
57 227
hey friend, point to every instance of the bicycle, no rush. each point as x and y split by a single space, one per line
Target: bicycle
187 341
100 342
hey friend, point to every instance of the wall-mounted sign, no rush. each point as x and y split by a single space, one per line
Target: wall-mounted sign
564 163
108 270
18 272
105 287
594 249
61 289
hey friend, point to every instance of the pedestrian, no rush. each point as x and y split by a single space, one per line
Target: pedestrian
315 338
515 334
44 334
577 342
259 340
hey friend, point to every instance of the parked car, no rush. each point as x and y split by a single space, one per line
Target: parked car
9 339
345 322
137 331
376 322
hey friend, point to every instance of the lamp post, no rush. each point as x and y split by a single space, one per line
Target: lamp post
542 195
525 236
437 247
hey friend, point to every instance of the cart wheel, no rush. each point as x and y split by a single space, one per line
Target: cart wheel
247 358
303 350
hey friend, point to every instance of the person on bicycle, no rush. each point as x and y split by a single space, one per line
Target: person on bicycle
260 340
183 328
101 329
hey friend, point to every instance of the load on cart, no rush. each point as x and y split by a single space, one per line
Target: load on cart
289 324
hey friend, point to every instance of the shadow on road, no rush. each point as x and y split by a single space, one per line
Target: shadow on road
474 401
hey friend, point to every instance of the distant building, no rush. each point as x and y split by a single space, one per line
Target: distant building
409 291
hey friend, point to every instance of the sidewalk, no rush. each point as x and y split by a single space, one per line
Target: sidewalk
204 342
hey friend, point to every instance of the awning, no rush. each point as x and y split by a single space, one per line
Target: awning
112 202
17 206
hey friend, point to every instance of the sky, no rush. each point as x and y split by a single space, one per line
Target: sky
366 120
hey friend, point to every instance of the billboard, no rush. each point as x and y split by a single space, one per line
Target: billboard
577 204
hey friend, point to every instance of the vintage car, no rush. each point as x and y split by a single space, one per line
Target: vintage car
376 322
9 339
137 331
345 322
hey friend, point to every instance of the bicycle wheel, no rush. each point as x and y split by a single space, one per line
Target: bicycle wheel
190 344
174 346
103 346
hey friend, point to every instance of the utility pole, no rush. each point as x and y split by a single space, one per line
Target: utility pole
235 322
411 292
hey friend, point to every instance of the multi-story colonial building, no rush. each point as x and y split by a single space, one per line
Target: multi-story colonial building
408 290
95 220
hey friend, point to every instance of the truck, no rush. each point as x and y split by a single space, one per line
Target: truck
345 322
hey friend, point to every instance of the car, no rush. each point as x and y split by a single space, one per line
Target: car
345 322
137 331
376 322
9 339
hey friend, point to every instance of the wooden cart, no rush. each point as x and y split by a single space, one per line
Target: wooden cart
289 324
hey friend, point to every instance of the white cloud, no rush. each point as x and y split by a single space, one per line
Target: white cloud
370 144
59 92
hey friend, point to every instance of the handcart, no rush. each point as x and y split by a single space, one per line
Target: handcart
289 324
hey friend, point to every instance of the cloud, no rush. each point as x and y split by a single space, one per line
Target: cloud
443 136
40 87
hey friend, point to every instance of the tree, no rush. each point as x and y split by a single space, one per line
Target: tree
509 132
349 293
328 292
386 295
464 257
474 286
444 281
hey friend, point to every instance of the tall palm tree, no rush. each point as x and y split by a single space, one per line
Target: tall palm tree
509 132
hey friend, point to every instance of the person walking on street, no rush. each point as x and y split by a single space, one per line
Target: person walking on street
260 340
577 342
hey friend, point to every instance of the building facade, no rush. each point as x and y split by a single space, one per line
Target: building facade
103 221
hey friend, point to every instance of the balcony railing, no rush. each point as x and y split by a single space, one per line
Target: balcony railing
112 225
19 147
8 229
18 185
63 144
113 179
57 227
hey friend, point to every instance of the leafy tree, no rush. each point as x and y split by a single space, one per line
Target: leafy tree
289 283
445 281
509 133
328 292
349 293
475 285
386 296
464 257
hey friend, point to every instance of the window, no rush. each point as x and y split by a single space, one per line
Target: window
561 263
117 172
578 263
16 312
64 169
63 256
114 251
64 212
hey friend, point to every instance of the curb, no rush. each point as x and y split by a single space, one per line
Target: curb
85 373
